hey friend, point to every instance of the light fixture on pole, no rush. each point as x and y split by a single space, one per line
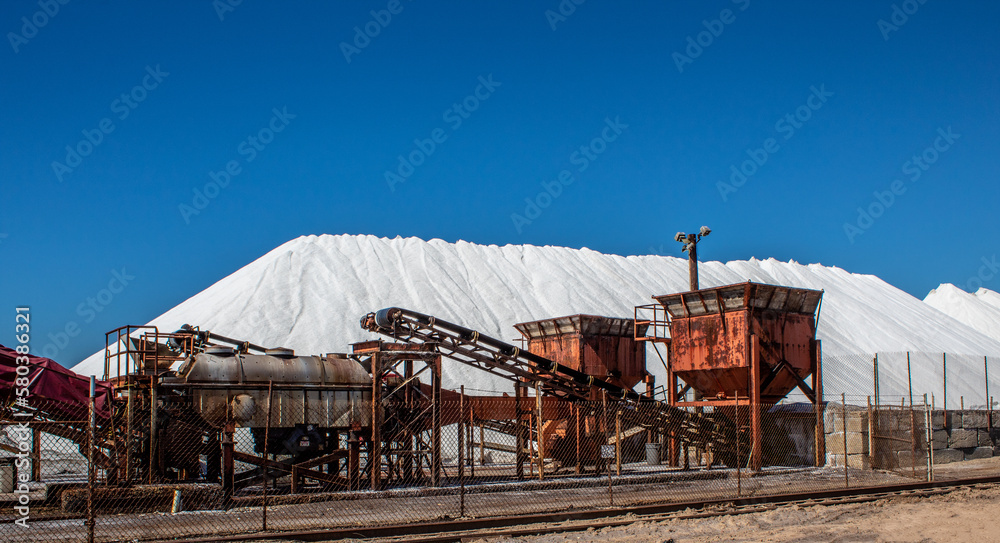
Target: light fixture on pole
690 242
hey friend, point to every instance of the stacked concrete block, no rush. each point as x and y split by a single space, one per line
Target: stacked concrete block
940 440
975 419
961 438
895 447
852 424
957 436
900 437
947 456
979 452
974 423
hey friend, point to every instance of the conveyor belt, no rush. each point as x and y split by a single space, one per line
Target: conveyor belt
514 364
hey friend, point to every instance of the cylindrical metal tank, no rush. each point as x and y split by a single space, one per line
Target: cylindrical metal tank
331 391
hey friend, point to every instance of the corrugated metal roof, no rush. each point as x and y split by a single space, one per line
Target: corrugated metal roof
588 325
740 296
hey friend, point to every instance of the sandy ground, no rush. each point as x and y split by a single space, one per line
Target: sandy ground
966 515
877 521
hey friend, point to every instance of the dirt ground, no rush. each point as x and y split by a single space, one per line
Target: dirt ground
966 515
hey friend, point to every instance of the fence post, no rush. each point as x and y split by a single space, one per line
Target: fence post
470 442
378 414
436 423
267 435
913 420
92 420
930 438
877 391
843 418
541 446
739 463
36 451
986 374
944 380
531 444
927 437
618 439
575 408
228 465
611 491
519 425
909 380
871 435
153 442
461 452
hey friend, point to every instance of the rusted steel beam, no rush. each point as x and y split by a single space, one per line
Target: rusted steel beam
228 465
288 468
325 459
375 454
756 448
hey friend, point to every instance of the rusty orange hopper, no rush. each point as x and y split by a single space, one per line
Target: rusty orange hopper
604 347
747 343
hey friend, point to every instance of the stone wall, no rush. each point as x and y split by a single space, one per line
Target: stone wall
900 440
854 427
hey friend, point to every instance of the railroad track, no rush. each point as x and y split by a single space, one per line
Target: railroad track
459 530
717 511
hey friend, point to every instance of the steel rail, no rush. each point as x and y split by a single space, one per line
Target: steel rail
542 529
458 529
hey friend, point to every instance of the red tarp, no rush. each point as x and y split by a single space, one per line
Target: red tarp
53 389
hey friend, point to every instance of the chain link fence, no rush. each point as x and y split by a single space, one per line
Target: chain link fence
160 472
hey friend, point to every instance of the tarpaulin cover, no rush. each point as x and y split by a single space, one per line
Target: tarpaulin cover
59 392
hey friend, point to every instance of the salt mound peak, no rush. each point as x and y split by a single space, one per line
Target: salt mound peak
980 311
989 296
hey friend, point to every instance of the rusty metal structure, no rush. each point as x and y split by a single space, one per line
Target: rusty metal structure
741 348
193 406
600 346
564 381
180 397
401 414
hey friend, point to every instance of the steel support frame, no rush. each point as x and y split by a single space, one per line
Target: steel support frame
401 457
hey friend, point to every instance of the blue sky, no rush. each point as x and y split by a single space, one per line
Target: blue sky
634 115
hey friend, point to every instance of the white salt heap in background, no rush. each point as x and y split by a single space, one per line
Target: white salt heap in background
309 294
